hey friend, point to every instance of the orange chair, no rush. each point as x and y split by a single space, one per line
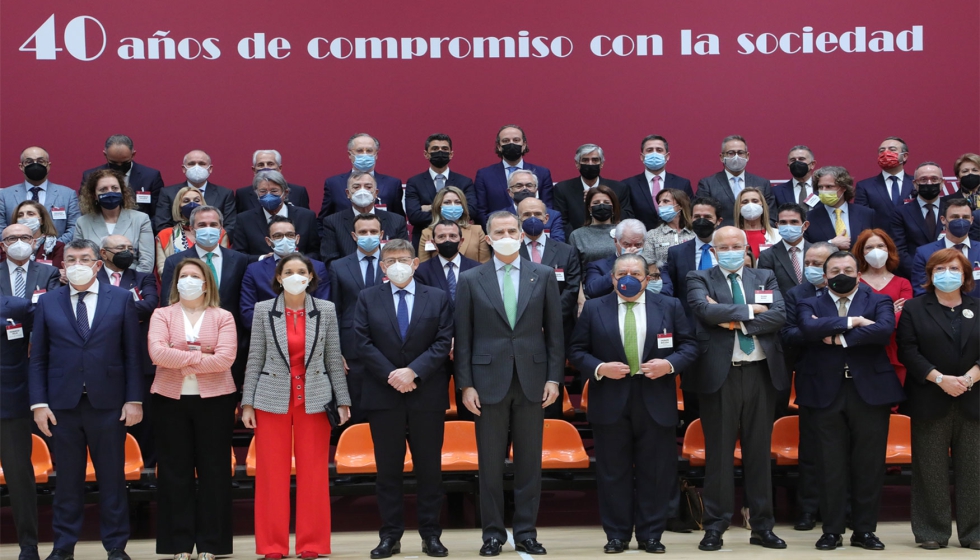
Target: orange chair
792 395
41 460
250 460
561 447
133 465
693 447
899 450
786 440
680 394
355 452
584 403
567 410
459 447
451 412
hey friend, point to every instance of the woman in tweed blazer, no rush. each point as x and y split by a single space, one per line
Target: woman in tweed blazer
295 347
193 344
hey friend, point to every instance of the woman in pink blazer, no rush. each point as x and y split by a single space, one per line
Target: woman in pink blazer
193 344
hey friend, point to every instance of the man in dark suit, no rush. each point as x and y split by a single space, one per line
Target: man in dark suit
739 313
117 255
405 333
632 401
16 421
523 185
145 181
197 167
890 188
569 195
629 238
797 190
917 222
837 219
849 386
510 360
85 370
644 188
268 160
271 190
421 189
491 181
443 271
694 254
338 240
785 258
958 222
724 186
363 150
19 275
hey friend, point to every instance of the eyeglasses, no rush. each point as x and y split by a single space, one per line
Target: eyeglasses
733 153
521 186
15 238
654 276
950 268
85 261
29 161
279 236
402 260
262 192
118 249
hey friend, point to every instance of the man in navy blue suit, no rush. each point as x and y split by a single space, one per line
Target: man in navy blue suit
957 220
644 188
917 222
86 388
268 160
421 189
796 191
629 239
695 254
836 220
849 386
491 181
443 271
523 185
890 188
336 233
363 150
569 195
145 181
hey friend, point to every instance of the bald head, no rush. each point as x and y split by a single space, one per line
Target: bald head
16 230
197 157
727 237
115 241
112 245
35 153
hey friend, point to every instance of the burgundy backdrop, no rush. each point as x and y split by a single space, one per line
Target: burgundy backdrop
842 104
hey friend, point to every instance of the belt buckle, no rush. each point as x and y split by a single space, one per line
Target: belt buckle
847 373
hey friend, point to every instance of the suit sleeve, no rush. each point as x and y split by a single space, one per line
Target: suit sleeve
470 192
261 329
165 279
685 345
546 187
906 254
334 361
73 214
771 199
54 280
158 343
573 279
919 273
156 185
554 331
558 229
596 283
394 198
131 347
908 339
878 334
413 206
162 216
225 350
480 188
668 288
303 198
230 212
433 360
704 189
248 297
401 232
329 244
580 346
773 319
38 380
463 351
374 361
712 314
861 195
146 245
561 203
323 285
625 204
3 213
790 333
239 241
148 290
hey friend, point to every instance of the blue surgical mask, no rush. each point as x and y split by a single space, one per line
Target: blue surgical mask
814 275
627 286
654 286
110 200
532 226
270 201
207 236
947 280
284 246
654 161
364 162
368 243
958 227
790 233
451 213
731 260
667 213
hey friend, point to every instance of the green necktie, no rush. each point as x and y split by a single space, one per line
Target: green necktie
629 339
510 298
207 257
744 342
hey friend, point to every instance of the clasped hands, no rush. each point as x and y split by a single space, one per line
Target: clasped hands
955 386
652 369
402 379
757 308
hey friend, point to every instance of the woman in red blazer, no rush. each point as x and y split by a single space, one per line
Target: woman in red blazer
193 344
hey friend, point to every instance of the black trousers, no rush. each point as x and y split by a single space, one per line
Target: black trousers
425 433
15 454
636 470
744 406
808 484
194 434
853 438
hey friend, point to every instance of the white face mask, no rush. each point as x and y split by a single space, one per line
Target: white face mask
751 211
79 274
20 250
506 246
876 258
33 223
190 288
399 273
197 174
295 283
362 198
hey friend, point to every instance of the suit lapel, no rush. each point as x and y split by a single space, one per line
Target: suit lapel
726 188
122 224
227 278
610 320
312 328
549 255
69 312
278 320
934 309
655 322
105 299
418 308
354 267
388 302
488 279
528 281
31 279
723 290
782 256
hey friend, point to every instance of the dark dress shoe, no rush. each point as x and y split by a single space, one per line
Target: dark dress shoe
615 546
59 554
433 547
653 546
767 539
530 546
386 548
28 553
491 547
805 522
975 545
867 541
676 525
712 540
118 554
930 545
829 541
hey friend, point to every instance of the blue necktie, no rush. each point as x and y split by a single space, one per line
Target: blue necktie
34 195
402 313
81 315
451 280
705 257
20 282
510 171
369 273
896 192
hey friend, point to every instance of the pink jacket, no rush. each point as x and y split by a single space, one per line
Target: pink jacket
212 365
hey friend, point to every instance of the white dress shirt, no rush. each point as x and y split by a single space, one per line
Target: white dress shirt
650 175
191 332
541 241
409 297
519 165
888 182
807 187
949 245
11 271
515 275
731 182
283 211
445 265
216 259
757 353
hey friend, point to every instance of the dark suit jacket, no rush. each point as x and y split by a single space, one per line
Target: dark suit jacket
430 272
681 260
146 285
598 281
253 228
425 350
820 377
926 342
717 186
229 289
14 363
776 259
908 231
922 257
785 193
492 193
642 202
214 195
488 351
959 194
822 227
106 364
716 343
873 193
257 286
335 194
420 190
246 200
561 255
597 340
555 226
39 277
337 241
141 178
346 284
794 345
570 203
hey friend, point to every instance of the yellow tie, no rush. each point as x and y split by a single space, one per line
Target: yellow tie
839 226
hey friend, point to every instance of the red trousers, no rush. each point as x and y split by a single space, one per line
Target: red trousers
275 434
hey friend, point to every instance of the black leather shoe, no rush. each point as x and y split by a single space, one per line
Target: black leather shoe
491 547
930 545
975 545
530 546
28 553
118 554
712 540
829 541
767 539
805 522
615 546
59 554
386 548
867 541
433 547
653 546
675 525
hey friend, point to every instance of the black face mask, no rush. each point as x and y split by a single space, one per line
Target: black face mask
35 171
123 167
929 191
123 259
799 169
439 159
512 152
602 212
970 182
588 171
842 283
521 195
703 227
448 249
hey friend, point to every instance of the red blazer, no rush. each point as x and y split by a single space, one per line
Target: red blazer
212 365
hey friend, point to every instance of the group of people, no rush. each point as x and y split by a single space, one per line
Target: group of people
131 305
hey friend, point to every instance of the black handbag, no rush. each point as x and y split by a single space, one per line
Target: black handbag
333 412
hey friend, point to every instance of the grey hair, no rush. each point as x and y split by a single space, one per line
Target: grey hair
588 149
206 208
397 245
119 139
630 224
350 143
534 178
631 257
272 176
799 147
276 153
734 137
498 215
83 244
355 175
820 245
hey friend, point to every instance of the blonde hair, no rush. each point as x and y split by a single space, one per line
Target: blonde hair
740 221
175 208
211 296
463 221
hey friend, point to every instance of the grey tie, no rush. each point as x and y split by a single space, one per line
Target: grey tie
440 182
802 197
20 283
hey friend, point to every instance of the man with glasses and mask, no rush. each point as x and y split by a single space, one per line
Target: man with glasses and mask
725 186
60 201
197 169
629 238
492 181
570 194
145 181
421 189
20 275
891 188
523 185
268 160
271 191
798 189
958 220
363 151
919 222
337 238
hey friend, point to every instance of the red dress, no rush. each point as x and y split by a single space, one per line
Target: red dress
756 238
896 288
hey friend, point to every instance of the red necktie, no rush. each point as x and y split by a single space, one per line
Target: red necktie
656 188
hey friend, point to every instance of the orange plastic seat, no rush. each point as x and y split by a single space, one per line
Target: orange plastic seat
792 395
680 394
451 412
355 452
899 451
786 440
250 460
584 403
693 448
567 410
561 447
40 459
133 466
459 447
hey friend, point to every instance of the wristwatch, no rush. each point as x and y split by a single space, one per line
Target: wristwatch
939 378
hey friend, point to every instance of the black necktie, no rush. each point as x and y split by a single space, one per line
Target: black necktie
34 192
931 222
81 315
369 273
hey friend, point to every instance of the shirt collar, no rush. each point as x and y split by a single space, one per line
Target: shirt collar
641 301
585 186
361 255
455 260
215 254
900 176
698 243
356 213
519 165
788 246
93 289
740 177
541 241
831 209
43 186
499 264
837 298
12 266
410 288
202 188
650 175
283 211
433 174
950 244
922 203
